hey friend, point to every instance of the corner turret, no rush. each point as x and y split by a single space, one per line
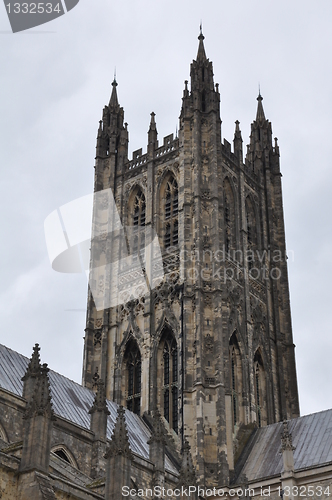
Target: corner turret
260 147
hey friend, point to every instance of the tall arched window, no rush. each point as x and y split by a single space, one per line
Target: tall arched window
169 396
133 377
171 200
229 217
138 223
235 380
260 389
251 226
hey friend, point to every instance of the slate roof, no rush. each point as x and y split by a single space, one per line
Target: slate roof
312 439
72 401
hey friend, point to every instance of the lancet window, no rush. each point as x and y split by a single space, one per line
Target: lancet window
133 376
260 389
170 380
171 205
138 223
235 380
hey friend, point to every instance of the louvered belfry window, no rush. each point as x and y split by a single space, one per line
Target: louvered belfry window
170 382
134 378
171 228
138 233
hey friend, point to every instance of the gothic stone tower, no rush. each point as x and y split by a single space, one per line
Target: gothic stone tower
210 343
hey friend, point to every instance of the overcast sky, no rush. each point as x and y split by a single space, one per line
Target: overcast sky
55 80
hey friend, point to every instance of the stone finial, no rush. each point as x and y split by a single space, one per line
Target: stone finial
152 135
237 142
186 91
99 403
158 431
119 442
286 438
41 402
237 133
152 122
34 366
100 128
101 141
187 475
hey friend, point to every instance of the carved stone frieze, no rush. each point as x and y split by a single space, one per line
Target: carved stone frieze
208 343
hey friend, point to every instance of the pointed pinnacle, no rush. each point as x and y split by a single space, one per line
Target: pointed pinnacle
237 133
153 122
41 403
187 472
99 403
114 96
34 365
201 55
158 431
119 442
260 116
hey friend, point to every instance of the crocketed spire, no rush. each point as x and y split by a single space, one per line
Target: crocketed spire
99 403
41 403
119 442
187 475
158 431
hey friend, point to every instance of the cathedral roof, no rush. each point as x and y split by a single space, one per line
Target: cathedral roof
311 437
72 401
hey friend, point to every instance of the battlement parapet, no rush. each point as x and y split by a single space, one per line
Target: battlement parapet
169 145
138 159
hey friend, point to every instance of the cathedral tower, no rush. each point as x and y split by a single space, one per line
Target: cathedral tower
188 306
